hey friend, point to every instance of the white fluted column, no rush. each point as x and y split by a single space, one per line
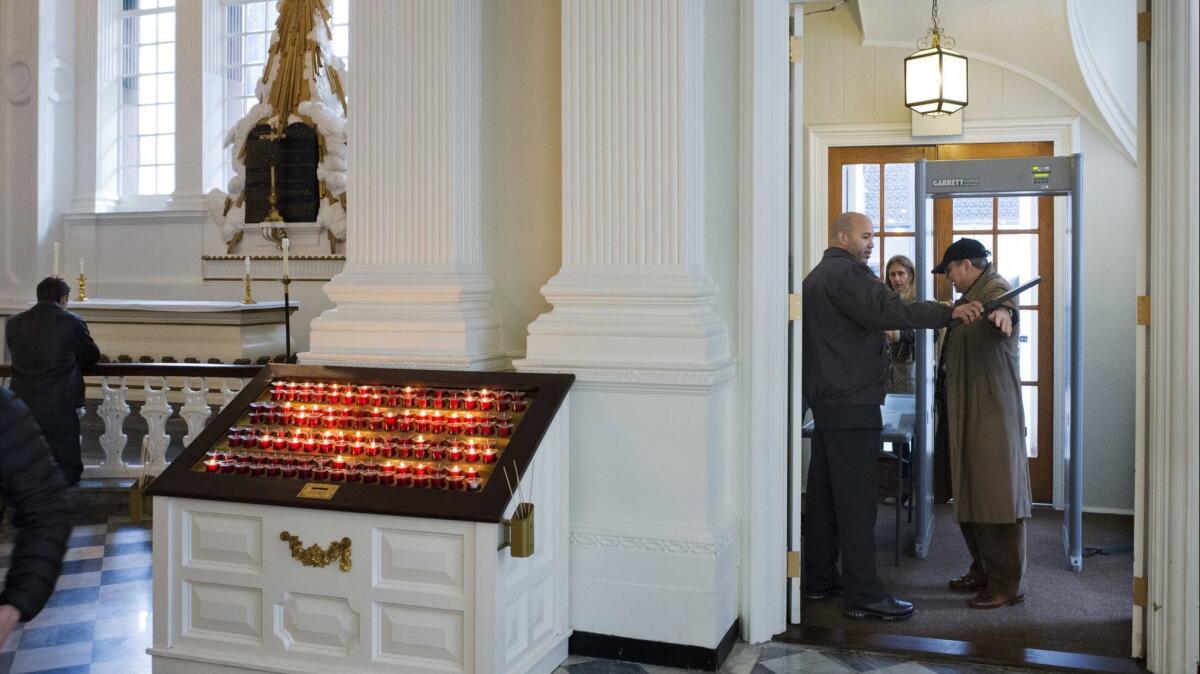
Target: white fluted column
633 289
653 526
413 290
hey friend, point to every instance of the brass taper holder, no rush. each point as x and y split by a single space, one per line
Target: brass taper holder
82 289
518 531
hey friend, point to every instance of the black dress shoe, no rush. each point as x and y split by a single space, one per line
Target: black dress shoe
822 595
888 609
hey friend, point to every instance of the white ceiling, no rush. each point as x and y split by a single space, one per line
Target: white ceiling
1084 51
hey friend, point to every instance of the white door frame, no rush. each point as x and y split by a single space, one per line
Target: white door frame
762 316
1062 131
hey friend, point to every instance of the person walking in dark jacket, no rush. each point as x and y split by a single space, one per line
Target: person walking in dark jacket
34 489
49 346
845 362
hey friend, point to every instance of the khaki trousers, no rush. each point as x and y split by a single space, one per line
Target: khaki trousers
997 555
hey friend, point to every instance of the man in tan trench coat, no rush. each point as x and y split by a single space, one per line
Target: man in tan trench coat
986 433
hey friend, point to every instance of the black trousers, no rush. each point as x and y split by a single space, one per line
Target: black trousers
839 515
61 428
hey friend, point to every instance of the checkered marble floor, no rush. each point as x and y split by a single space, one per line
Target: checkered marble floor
98 621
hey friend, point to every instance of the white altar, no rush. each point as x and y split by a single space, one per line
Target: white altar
182 329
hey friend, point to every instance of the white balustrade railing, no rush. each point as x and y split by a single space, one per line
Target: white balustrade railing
198 395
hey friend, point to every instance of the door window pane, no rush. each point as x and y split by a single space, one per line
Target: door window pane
1027 344
860 190
973 213
1016 259
1029 399
1017 213
898 195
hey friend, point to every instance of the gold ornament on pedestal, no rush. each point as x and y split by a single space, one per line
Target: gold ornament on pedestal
301 95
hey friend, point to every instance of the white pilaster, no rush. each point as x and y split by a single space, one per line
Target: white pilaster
413 290
1173 448
190 66
653 531
98 44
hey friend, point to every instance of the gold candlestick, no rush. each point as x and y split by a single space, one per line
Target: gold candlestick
82 289
247 298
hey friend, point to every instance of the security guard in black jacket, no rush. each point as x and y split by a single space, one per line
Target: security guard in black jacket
846 310
49 346
32 487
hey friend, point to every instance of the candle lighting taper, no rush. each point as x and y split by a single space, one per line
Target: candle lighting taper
287 305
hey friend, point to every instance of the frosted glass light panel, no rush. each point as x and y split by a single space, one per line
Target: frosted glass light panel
935 81
147 81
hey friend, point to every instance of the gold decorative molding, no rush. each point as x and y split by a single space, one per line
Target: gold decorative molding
315 555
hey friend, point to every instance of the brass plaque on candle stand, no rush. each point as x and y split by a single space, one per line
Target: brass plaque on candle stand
318 490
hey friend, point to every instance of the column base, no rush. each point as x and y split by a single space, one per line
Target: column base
662 320
419 317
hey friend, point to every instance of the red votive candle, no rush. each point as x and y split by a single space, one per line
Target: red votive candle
290 471
489 455
234 439
326 445
353 476
420 481
228 466
387 478
402 468
470 402
310 446
241 468
504 429
337 475
455 453
370 476
389 421
257 470
387 467
212 466
279 442
307 472
437 452
264 441
472 455
338 462
274 471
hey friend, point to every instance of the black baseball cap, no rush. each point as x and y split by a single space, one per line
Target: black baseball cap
963 249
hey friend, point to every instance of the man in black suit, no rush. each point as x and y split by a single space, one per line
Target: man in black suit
49 347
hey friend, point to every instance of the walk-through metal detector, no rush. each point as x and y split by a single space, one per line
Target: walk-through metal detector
1036 177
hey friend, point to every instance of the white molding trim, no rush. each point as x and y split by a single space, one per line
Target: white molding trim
154 217
643 379
1121 121
1173 382
764 222
1064 132
702 543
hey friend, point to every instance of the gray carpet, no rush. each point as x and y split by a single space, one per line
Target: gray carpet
1087 612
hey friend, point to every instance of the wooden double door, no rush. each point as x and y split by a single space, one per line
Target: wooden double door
880 182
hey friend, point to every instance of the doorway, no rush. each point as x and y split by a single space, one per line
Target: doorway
879 182
1066 612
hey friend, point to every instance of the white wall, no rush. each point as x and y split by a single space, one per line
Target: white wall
522 159
721 66
846 82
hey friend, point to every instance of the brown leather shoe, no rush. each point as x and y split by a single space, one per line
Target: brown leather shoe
988 599
968 583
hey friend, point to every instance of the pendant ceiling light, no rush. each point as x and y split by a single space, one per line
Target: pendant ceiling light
935 76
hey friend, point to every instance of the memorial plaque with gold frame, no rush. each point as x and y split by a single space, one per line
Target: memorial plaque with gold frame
421 443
